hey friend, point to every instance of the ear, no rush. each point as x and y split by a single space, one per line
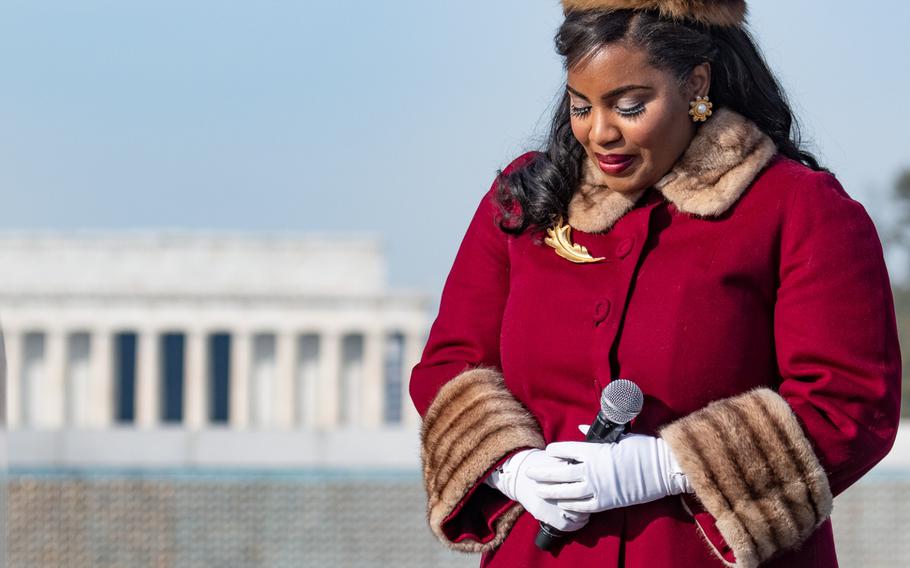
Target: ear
699 81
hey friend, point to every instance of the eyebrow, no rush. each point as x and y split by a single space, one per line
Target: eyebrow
615 92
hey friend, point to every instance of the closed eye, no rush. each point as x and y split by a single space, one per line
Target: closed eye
631 112
579 112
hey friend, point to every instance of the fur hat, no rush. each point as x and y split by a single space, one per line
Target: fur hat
709 12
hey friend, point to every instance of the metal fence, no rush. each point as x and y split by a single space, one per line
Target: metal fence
166 519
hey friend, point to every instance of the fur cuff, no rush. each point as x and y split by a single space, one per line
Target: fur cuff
472 423
754 471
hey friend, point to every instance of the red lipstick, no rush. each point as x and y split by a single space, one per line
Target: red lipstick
614 163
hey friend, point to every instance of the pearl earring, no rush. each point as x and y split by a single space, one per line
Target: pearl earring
700 109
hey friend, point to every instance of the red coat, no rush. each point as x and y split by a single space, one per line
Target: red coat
736 272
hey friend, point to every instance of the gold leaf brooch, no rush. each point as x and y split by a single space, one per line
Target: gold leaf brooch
560 238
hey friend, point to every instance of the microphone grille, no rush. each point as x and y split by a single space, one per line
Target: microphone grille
621 401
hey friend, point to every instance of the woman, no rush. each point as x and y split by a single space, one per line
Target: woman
674 234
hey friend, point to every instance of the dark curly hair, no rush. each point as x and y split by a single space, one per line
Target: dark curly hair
536 194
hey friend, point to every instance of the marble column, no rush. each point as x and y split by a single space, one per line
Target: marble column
351 380
12 339
372 389
329 378
46 395
101 388
414 340
239 382
306 381
148 379
393 380
195 407
78 379
285 365
262 381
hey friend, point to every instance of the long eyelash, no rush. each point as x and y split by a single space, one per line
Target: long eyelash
633 114
578 111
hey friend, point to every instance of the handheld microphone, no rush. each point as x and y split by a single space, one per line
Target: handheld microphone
620 402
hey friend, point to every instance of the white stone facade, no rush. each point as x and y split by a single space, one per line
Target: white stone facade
201 330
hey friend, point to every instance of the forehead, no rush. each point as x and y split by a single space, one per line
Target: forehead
613 66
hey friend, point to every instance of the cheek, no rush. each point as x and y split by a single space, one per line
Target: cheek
656 135
580 132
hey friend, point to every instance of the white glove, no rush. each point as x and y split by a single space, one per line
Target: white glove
511 479
635 469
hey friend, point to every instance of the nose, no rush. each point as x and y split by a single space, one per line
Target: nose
604 131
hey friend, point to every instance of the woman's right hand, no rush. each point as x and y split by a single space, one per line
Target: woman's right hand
512 480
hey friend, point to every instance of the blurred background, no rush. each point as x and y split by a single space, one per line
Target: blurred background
224 231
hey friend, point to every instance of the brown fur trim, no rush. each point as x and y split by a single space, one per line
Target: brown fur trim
724 157
719 164
710 12
473 421
595 207
754 470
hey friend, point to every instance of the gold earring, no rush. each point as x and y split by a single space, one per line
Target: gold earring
700 109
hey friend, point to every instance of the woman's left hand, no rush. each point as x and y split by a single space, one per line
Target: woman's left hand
635 469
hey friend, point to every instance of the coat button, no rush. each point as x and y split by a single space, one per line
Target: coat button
624 247
601 311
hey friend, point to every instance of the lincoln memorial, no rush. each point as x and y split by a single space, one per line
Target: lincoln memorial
199 331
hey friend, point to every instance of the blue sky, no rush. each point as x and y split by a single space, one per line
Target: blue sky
378 118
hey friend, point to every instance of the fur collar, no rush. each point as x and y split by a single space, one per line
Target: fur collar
725 155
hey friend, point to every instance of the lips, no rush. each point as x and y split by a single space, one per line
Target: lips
614 163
